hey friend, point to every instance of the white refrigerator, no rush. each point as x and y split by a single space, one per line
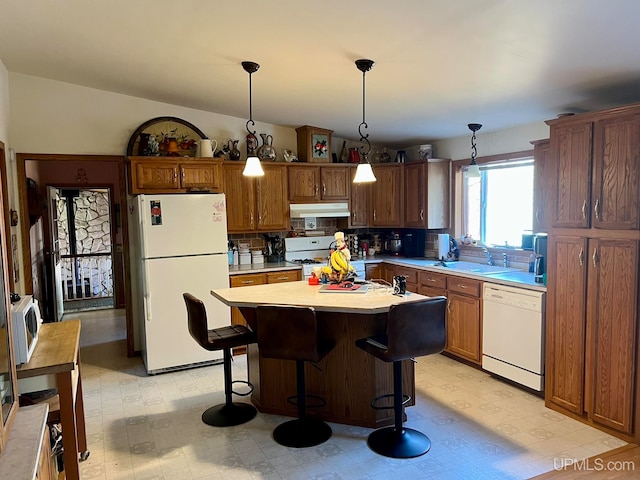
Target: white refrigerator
180 245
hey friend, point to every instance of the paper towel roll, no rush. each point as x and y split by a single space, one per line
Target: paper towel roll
443 246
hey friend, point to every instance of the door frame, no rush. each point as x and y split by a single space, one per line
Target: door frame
21 159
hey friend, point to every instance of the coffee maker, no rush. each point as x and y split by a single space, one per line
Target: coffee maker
540 251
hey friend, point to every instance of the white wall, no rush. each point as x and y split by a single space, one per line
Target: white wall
4 105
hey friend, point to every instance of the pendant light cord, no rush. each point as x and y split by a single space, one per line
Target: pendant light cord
250 121
364 66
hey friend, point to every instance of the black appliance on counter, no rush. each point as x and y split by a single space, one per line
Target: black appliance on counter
540 251
413 243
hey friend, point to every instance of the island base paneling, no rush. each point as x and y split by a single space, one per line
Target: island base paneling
347 378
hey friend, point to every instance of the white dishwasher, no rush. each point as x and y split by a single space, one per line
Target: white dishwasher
513 334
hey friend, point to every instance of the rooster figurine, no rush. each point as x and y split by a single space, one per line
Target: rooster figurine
339 267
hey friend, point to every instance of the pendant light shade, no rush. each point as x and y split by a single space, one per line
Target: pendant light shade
364 172
473 170
253 167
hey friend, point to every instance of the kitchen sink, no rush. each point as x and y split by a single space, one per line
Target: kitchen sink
472 267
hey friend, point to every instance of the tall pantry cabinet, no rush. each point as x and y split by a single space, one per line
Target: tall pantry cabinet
593 279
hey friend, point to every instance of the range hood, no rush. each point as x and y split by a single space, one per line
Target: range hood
304 210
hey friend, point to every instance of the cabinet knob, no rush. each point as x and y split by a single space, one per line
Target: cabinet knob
584 209
595 208
316 189
324 189
422 214
594 257
581 256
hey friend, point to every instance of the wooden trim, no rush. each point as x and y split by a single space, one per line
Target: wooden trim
495 158
7 215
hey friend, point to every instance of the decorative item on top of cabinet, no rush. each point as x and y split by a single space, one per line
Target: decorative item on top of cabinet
152 138
256 204
314 144
174 175
266 152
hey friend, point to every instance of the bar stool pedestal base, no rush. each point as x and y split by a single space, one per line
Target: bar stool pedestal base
229 415
404 443
302 433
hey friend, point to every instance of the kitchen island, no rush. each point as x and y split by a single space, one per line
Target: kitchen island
347 378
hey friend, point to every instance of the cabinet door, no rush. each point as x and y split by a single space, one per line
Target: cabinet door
153 176
335 183
388 271
616 174
431 292
611 332
285 276
243 281
438 193
373 271
411 275
204 177
463 326
565 319
359 203
271 199
571 150
304 184
387 196
241 200
415 184
541 186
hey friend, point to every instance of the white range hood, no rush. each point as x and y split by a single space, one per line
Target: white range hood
305 210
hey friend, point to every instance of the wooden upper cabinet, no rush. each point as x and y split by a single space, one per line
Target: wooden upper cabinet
387 196
612 320
566 308
314 183
542 177
616 173
335 183
272 206
359 205
240 192
427 194
415 185
304 184
174 175
571 150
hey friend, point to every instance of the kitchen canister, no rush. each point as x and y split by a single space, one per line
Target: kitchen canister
425 152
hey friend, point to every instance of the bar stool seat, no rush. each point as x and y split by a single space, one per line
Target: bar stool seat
224 338
291 333
413 329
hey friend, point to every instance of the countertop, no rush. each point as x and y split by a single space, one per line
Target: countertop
513 277
20 457
378 299
262 268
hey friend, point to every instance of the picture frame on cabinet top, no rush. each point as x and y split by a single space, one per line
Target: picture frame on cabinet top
314 144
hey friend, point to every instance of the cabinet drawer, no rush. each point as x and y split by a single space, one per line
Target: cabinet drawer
433 280
465 286
410 273
248 279
286 276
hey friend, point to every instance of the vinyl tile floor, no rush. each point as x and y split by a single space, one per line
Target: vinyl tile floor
142 427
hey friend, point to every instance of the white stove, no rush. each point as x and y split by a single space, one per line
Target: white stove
311 252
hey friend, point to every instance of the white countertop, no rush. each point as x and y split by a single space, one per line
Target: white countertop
19 459
376 300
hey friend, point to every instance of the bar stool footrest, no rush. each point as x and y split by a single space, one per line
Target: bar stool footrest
229 415
405 399
302 433
244 382
293 400
404 443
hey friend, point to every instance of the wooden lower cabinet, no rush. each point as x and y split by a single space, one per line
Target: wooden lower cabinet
249 279
592 331
46 464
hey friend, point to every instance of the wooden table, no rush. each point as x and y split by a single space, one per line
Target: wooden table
348 378
57 354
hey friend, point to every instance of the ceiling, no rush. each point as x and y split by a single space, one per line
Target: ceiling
439 64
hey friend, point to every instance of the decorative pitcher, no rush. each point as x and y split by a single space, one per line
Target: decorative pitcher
266 152
354 155
234 153
207 147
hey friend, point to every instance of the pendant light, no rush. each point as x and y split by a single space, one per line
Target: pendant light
473 170
252 168
364 173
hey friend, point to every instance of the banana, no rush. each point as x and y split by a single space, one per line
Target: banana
335 263
339 259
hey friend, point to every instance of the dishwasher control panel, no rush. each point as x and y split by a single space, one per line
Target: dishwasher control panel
515 297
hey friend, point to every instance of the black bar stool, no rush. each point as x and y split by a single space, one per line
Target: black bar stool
413 329
229 413
291 333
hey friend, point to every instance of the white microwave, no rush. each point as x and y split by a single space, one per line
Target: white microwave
25 323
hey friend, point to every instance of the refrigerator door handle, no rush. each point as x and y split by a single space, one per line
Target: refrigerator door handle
143 252
145 292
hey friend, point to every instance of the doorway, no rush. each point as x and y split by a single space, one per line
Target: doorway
82 248
77 172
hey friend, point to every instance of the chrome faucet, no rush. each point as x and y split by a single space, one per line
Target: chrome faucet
488 254
504 260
